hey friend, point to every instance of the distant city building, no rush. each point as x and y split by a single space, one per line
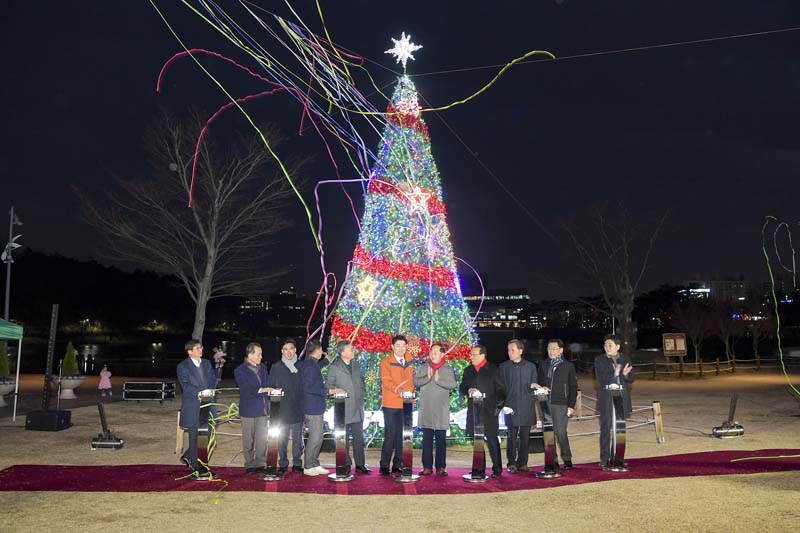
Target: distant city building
500 308
284 308
728 290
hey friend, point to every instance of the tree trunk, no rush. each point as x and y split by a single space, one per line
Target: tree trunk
696 344
203 295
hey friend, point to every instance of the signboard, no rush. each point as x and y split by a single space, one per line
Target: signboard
674 344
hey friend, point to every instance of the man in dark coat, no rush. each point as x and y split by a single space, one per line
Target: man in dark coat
483 376
314 396
197 379
251 378
611 368
285 375
558 376
520 378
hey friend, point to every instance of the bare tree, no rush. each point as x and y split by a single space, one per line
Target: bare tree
726 327
219 246
694 319
761 323
612 251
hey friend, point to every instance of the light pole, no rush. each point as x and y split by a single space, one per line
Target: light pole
7 257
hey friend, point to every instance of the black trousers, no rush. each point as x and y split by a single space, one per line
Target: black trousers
392 438
517 445
356 431
493 443
606 427
191 453
560 421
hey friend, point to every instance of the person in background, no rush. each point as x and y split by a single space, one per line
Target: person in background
105 383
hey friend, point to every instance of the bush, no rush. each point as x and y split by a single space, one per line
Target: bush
4 368
70 365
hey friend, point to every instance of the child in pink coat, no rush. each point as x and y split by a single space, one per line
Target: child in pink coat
105 382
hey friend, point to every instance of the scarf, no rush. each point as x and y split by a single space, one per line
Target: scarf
552 370
437 366
480 365
290 364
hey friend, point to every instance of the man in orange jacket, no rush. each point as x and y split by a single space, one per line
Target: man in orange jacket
397 376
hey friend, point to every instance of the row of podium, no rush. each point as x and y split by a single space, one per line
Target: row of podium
343 472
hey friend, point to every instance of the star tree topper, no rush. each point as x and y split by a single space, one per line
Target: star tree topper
403 49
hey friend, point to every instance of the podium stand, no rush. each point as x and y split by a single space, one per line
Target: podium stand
274 429
617 461
542 399
478 474
340 436
406 475
204 440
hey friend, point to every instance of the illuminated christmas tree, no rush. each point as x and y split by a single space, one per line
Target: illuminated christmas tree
403 274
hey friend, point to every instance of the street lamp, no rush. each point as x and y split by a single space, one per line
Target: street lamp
7 257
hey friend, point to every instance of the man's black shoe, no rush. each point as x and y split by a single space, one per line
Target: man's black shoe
297 469
396 470
385 472
497 473
567 464
250 470
363 470
282 470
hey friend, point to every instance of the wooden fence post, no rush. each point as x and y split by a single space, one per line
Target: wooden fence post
733 366
659 423
680 368
178 435
701 368
654 370
716 364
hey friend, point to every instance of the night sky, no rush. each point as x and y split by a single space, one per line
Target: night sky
708 130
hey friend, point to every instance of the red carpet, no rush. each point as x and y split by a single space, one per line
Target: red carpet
161 478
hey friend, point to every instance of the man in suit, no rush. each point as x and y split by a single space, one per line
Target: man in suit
611 368
482 376
519 379
397 377
251 378
197 379
344 375
285 375
558 376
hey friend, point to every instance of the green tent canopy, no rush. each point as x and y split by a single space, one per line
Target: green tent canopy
10 331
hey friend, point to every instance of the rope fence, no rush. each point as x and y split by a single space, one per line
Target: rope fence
717 368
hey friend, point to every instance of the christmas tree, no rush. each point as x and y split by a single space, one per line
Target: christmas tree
403 275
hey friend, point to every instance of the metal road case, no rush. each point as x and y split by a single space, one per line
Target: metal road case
148 390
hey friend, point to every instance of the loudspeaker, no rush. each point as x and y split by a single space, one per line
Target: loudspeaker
48 420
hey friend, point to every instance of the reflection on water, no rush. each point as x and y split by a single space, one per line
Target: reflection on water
133 358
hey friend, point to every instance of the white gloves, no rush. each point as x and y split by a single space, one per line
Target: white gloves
508 411
206 392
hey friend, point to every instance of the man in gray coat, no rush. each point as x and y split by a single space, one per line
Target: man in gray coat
435 380
519 376
344 375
